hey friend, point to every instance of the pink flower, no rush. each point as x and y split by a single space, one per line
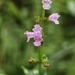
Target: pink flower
29 35
46 1
36 35
46 4
37 28
54 17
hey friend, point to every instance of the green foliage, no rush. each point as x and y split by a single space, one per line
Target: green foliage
18 16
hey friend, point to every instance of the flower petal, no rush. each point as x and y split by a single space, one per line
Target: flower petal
46 1
56 21
29 35
37 28
54 16
37 43
46 6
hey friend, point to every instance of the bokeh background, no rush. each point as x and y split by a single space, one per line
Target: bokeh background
18 16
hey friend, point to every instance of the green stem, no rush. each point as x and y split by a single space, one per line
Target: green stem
40 54
41 47
43 18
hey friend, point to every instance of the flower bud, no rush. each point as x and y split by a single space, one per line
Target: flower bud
43 56
33 60
30 61
46 65
45 60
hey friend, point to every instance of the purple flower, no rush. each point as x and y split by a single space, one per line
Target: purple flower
29 35
46 1
46 4
54 17
36 35
37 28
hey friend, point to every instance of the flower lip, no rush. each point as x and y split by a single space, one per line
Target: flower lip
37 43
46 6
46 2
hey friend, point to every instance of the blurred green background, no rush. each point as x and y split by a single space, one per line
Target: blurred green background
18 16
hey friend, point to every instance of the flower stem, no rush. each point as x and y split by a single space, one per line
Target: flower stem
40 54
43 18
41 47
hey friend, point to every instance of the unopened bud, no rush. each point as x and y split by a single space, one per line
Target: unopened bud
46 65
30 61
43 56
45 60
